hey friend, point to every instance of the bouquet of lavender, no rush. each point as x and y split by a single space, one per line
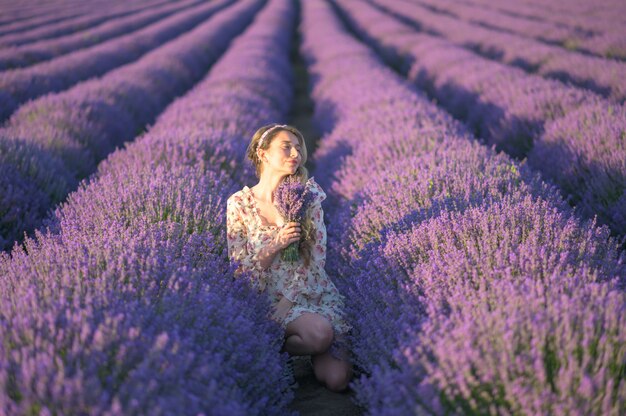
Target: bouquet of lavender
292 200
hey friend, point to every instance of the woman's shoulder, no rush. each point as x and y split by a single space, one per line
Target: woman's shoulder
239 198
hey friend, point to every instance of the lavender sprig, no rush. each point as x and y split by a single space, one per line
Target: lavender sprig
292 199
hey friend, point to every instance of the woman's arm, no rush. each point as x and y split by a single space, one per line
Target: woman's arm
287 234
239 249
281 309
267 254
318 252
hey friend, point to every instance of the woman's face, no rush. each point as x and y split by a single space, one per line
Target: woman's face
283 155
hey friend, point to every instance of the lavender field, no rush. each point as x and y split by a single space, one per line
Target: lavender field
474 157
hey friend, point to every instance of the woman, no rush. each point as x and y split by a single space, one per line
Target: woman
304 300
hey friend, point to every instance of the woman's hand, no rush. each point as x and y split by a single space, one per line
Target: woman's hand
288 233
281 309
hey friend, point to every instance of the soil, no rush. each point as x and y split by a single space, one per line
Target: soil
313 399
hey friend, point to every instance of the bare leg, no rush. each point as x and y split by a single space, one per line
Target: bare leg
335 373
312 334
308 334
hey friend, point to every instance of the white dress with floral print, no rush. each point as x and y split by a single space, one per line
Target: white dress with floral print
310 289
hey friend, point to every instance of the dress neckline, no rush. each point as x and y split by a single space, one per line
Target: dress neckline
255 209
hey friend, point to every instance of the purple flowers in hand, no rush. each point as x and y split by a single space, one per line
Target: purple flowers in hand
292 199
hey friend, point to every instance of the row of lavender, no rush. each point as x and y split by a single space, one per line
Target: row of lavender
96 15
549 22
128 305
605 77
577 14
20 17
46 47
25 17
574 13
570 135
471 285
22 84
51 143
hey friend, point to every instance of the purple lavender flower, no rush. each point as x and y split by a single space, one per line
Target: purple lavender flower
292 199
136 309
504 294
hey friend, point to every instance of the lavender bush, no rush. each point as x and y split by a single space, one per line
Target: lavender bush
93 17
27 187
128 305
43 48
563 335
450 225
130 292
603 76
581 154
592 30
504 105
472 286
27 17
20 85
83 125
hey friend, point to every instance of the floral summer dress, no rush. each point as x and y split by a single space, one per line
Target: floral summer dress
310 289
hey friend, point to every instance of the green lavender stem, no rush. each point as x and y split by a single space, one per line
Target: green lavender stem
290 253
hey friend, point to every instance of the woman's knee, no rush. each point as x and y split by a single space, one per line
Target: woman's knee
320 334
338 378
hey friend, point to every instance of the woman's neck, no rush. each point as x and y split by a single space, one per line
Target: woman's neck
266 186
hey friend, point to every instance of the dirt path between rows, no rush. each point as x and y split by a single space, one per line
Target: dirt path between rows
311 397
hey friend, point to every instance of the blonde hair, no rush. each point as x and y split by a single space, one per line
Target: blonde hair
308 229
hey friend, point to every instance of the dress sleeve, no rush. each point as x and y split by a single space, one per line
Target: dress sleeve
240 251
318 255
